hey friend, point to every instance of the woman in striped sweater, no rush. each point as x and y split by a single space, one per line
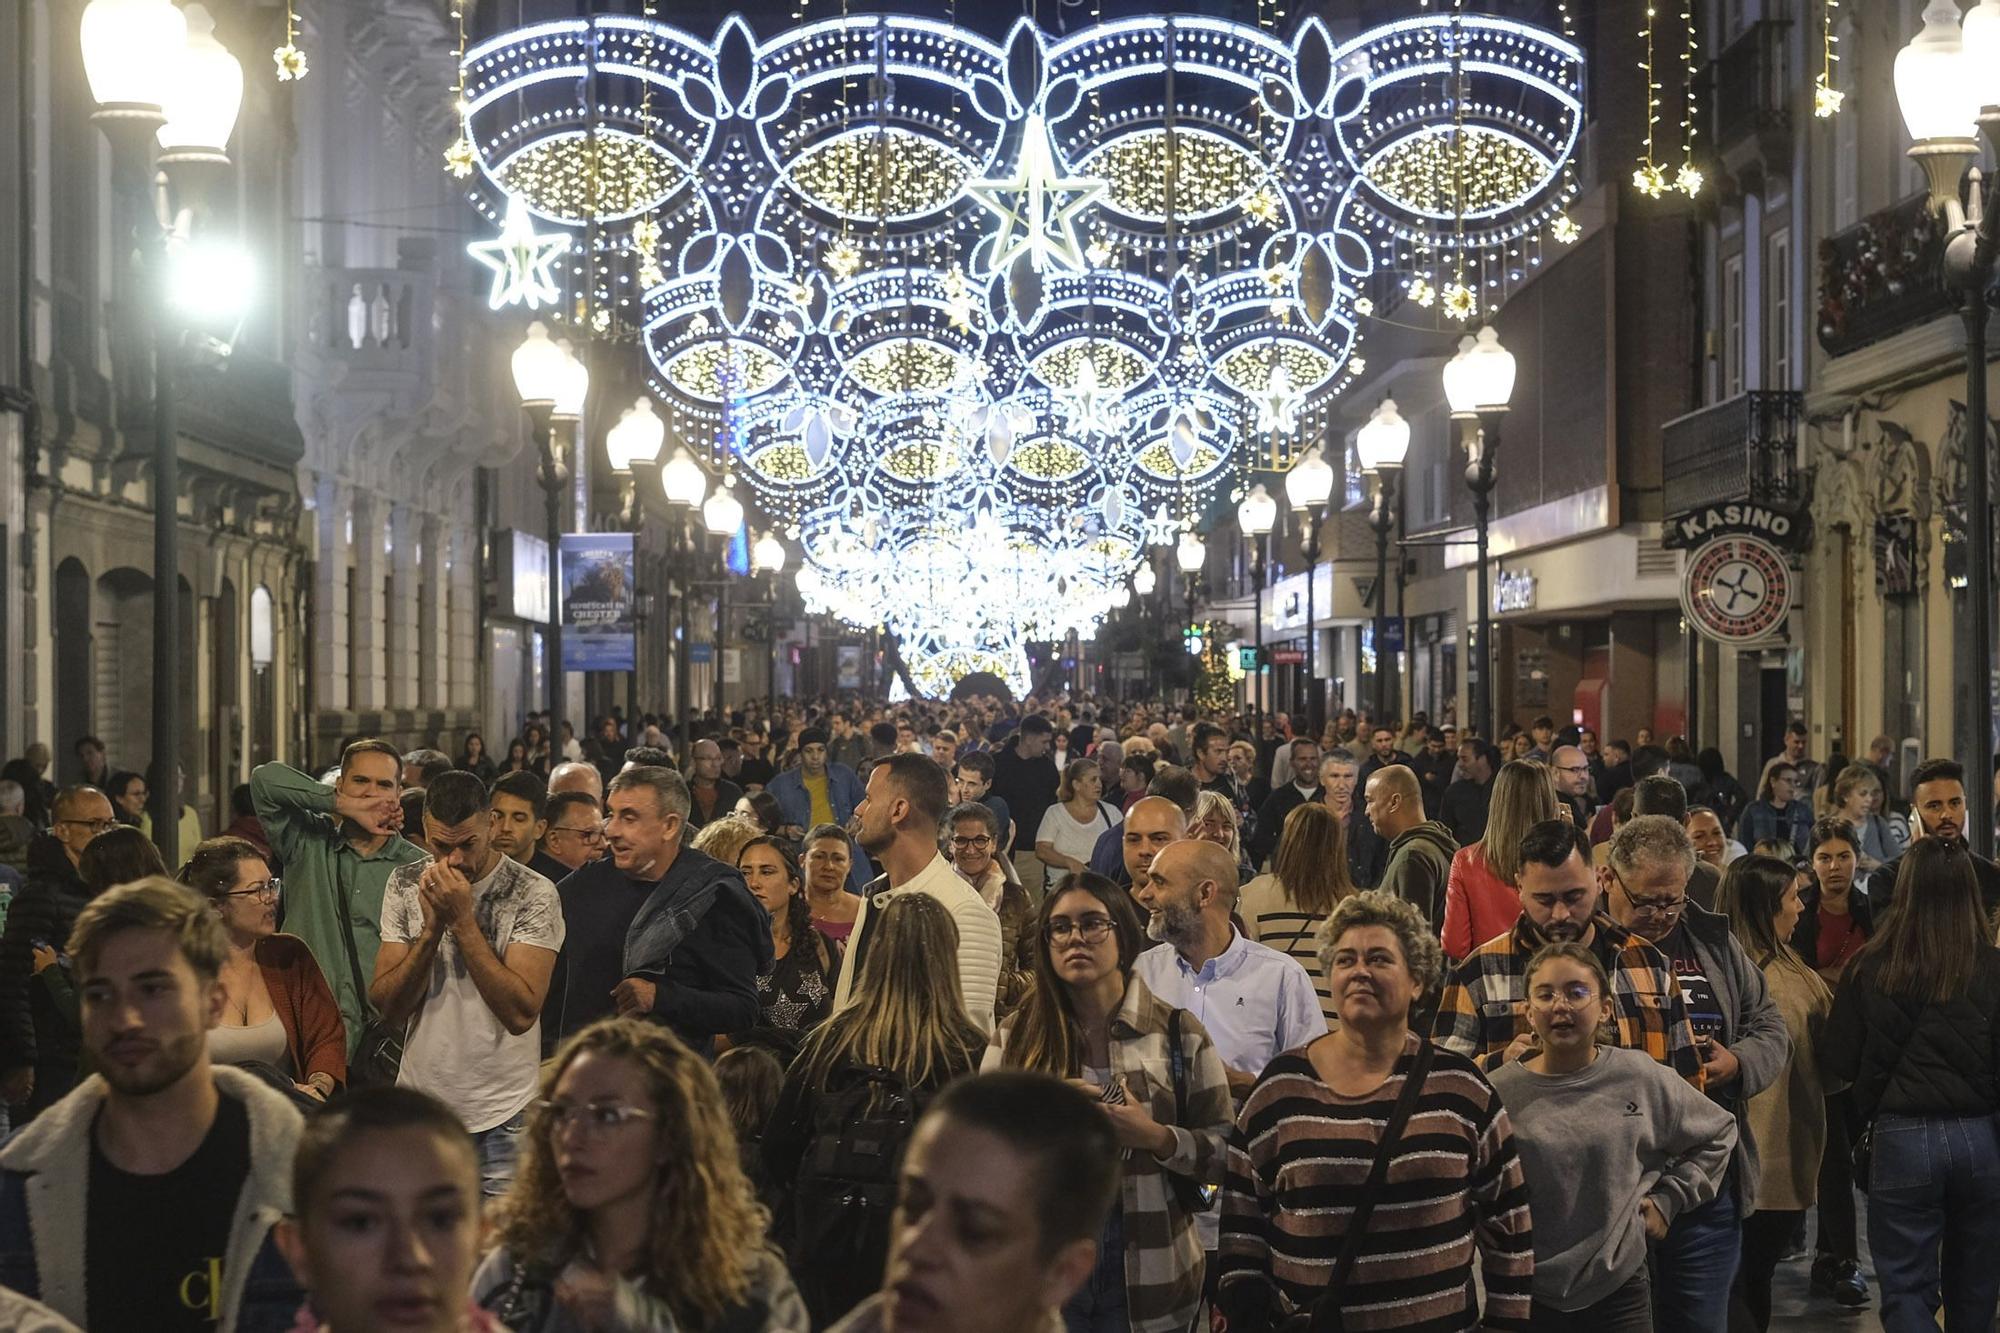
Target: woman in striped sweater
1310 1131
1308 878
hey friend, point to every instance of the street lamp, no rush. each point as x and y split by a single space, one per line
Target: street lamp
635 439
722 515
202 103
1380 447
143 76
1190 555
1946 85
1309 487
1256 516
546 377
1478 383
684 485
767 557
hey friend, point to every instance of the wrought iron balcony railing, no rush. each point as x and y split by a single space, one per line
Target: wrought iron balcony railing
1881 276
1744 448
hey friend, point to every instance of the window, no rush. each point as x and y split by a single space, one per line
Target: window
1732 326
1778 326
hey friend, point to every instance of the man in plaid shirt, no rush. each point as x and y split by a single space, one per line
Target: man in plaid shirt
1484 1011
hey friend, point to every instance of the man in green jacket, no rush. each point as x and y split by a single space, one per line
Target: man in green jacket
338 845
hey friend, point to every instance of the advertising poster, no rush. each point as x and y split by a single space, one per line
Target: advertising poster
597 621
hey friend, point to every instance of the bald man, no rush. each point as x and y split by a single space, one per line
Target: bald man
1420 849
1574 783
1254 1001
578 777
710 795
1150 825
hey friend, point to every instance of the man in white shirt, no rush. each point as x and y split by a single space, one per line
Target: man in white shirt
469 939
899 816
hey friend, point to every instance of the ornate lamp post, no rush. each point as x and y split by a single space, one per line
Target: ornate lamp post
1478 383
1190 555
722 515
1947 83
684 485
634 440
1381 446
1309 487
153 84
1256 516
767 557
552 385
1144 581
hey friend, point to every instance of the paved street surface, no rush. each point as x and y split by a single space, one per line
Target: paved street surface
1795 1310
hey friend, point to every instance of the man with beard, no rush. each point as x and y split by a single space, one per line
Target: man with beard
817 792
1483 1014
1937 795
144 1200
521 821
899 818
1026 778
1466 800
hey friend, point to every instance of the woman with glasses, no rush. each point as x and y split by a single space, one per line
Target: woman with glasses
1614 1146
1760 896
829 858
629 1209
278 1013
1071 828
796 995
1778 811
1088 1018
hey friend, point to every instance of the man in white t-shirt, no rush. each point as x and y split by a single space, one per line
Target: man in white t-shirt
469 939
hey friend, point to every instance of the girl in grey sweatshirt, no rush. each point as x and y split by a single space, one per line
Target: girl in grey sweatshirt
1614 1145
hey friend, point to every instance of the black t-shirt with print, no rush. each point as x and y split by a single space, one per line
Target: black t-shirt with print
155 1244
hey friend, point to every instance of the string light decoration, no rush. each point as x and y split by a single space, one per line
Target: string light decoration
1648 179
291 61
1826 97
1688 180
458 155
970 457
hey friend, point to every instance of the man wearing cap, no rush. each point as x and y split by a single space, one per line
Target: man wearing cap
818 792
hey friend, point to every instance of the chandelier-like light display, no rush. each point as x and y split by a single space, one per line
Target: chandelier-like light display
979 321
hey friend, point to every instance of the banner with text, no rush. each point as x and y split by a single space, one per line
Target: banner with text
597 621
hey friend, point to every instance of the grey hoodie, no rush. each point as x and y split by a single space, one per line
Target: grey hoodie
1419 865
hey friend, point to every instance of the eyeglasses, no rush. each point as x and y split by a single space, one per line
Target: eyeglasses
268 891
96 826
597 1117
591 836
1575 995
1092 929
1572 768
972 844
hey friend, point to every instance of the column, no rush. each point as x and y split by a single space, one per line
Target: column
402 615
331 623
434 662
460 576
364 616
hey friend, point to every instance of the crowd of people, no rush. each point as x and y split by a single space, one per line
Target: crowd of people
1010 1017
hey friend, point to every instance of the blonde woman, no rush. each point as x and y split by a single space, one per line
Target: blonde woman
903 1037
1215 821
1482 898
1308 879
630 1209
1071 828
726 837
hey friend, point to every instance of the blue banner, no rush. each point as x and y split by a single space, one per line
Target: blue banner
597 621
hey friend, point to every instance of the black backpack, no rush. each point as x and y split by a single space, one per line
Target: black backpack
844 1196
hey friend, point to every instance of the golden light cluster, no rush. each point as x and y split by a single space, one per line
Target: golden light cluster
1208 174
1424 172
921 461
886 173
698 370
1118 367
1248 368
1048 459
905 365
1158 459
581 177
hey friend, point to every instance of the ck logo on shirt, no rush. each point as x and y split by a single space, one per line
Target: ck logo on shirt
202 1290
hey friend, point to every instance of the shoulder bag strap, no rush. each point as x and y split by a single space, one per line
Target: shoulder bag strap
353 955
1326 1308
1176 1062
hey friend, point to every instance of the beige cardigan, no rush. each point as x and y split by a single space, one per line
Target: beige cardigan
1788 1119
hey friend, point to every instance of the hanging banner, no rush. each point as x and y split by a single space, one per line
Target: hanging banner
597 621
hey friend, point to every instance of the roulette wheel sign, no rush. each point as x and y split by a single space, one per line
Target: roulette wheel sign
1737 589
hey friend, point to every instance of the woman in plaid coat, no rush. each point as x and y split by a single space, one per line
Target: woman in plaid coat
1087 1018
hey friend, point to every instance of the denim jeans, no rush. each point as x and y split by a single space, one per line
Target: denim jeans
1934 1218
1695 1265
498 1148
1099 1304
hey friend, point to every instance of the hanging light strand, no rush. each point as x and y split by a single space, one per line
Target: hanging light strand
1688 180
291 61
1649 180
1826 97
458 157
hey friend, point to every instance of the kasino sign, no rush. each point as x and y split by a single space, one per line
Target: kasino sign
1783 528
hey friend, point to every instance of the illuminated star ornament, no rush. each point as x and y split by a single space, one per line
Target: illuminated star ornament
522 261
1037 205
1277 404
1087 408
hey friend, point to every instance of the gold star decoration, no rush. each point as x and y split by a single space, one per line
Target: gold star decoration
843 260
1277 404
646 240
1688 180
522 260
1826 98
1363 306
1649 180
1421 291
1264 205
1099 254
1459 302
458 157
291 63
1037 205
1564 229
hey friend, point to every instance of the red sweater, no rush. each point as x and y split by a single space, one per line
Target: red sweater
314 1034
1478 904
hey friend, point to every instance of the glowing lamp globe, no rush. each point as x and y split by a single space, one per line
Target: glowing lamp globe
1190 553
1258 513
767 554
539 368
637 438
1481 377
1385 441
682 481
722 513
574 386
205 96
122 45
1980 34
1145 580
1938 93
1309 485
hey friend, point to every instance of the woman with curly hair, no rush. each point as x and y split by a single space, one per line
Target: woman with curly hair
796 995
630 1210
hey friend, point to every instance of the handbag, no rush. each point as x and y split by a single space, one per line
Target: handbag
1194 1196
378 1056
1323 1316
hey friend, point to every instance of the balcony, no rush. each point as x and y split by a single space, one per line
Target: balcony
1881 276
1743 449
1751 85
375 318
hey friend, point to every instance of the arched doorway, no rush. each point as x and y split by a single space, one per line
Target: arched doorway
72 662
119 669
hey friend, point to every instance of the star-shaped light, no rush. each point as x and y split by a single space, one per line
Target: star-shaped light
1422 292
458 157
1037 205
1264 205
1649 180
1565 229
1689 180
1086 407
1826 98
1277 404
843 259
291 62
646 240
522 261
1160 529
1459 302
